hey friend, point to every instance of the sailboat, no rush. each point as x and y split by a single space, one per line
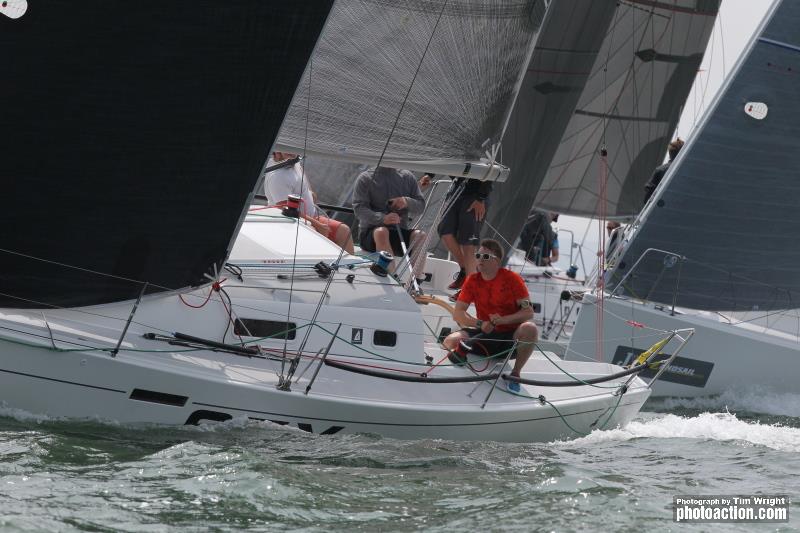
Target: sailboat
368 319
606 78
715 248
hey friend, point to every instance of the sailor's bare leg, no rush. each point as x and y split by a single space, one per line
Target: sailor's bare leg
382 244
470 264
527 334
451 341
456 253
344 239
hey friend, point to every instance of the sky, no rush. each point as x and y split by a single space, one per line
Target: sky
736 22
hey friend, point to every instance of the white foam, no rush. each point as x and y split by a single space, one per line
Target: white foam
24 416
713 426
755 399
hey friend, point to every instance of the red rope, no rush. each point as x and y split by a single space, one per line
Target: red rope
214 288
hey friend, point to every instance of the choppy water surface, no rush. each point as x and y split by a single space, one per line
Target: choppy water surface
67 475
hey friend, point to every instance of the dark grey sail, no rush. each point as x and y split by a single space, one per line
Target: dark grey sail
630 105
134 134
729 202
572 33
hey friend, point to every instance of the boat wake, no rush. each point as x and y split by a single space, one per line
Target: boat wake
753 399
706 426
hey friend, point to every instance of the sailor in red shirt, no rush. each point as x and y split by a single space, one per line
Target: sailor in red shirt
503 307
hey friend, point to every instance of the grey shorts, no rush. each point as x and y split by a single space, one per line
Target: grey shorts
461 223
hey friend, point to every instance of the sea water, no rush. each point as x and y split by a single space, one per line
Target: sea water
58 475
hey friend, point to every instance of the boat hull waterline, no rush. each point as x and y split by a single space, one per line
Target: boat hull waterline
193 387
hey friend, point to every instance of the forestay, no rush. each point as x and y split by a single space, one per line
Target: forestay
729 202
630 106
428 82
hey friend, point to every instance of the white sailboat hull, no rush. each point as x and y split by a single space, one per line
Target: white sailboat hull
721 356
60 362
192 387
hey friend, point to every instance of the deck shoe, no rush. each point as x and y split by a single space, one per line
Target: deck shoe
512 386
458 281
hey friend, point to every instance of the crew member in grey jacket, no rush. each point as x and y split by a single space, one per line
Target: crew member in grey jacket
383 201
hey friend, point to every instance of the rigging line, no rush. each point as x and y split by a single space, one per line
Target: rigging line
55 306
498 234
78 310
12 252
444 208
711 63
626 320
297 227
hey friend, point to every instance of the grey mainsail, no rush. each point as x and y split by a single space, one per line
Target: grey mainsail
630 105
436 78
729 202
572 34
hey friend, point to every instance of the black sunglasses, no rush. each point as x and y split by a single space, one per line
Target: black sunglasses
485 256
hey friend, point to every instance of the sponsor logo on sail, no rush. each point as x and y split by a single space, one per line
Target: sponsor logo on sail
13 8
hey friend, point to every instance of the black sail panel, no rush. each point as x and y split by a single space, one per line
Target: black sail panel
133 135
561 63
729 202
630 106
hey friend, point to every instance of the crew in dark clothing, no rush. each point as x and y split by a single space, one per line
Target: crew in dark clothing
538 239
461 225
658 174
